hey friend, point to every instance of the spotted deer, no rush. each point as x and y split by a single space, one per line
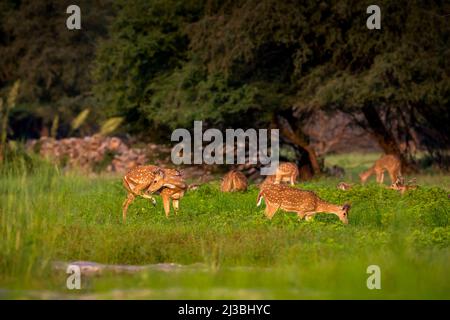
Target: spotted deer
286 172
400 185
137 182
234 181
389 163
171 186
344 186
305 203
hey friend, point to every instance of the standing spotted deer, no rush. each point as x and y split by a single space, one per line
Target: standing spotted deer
389 163
139 180
305 203
171 186
234 181
286 172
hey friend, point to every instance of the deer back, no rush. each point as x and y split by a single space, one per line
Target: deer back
234 181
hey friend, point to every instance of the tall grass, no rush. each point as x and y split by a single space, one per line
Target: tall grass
48 216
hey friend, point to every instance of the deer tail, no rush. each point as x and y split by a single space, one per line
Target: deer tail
259 199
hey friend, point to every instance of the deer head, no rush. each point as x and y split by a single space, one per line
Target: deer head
363 176
166 178
343 213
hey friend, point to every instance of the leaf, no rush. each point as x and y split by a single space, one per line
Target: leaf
55 125
110 125
13 93
80 119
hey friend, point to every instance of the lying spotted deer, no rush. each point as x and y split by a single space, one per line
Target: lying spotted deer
139 179
389 163
400 185
234 181
305 203
344 186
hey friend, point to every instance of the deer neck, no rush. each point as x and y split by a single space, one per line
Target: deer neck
325 207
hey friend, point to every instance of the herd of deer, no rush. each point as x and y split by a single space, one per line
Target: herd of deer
145 181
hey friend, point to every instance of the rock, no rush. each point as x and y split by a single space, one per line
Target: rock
87 152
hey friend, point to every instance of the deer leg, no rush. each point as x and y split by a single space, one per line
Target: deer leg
278 179
310 215
270 210
151 198
292 178
125 205
166 204
139 190
379 175
300 215
393 176
176 205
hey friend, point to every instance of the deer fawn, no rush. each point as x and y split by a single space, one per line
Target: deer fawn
171 186
400 185
138 180
234 181
305 203
389 163
286 172
344 186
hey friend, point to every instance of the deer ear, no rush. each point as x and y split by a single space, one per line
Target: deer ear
346 207
159 172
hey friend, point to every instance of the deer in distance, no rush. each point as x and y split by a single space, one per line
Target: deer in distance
139 179
305 203
286 172
400 185
234 181
344 186
389 163
267 181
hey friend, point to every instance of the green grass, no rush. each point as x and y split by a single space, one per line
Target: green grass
230 248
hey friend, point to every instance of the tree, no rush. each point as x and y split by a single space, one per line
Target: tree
52 62
145 43
396 77
264 63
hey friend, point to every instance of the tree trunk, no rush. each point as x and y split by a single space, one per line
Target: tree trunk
384 137
309 167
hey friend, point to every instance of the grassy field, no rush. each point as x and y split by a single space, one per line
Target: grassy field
223 245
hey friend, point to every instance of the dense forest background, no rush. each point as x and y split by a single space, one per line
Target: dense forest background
162 64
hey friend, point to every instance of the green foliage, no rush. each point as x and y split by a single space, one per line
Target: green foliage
190 94
54 63
153 70
145 41
226 62
400 70
5 109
